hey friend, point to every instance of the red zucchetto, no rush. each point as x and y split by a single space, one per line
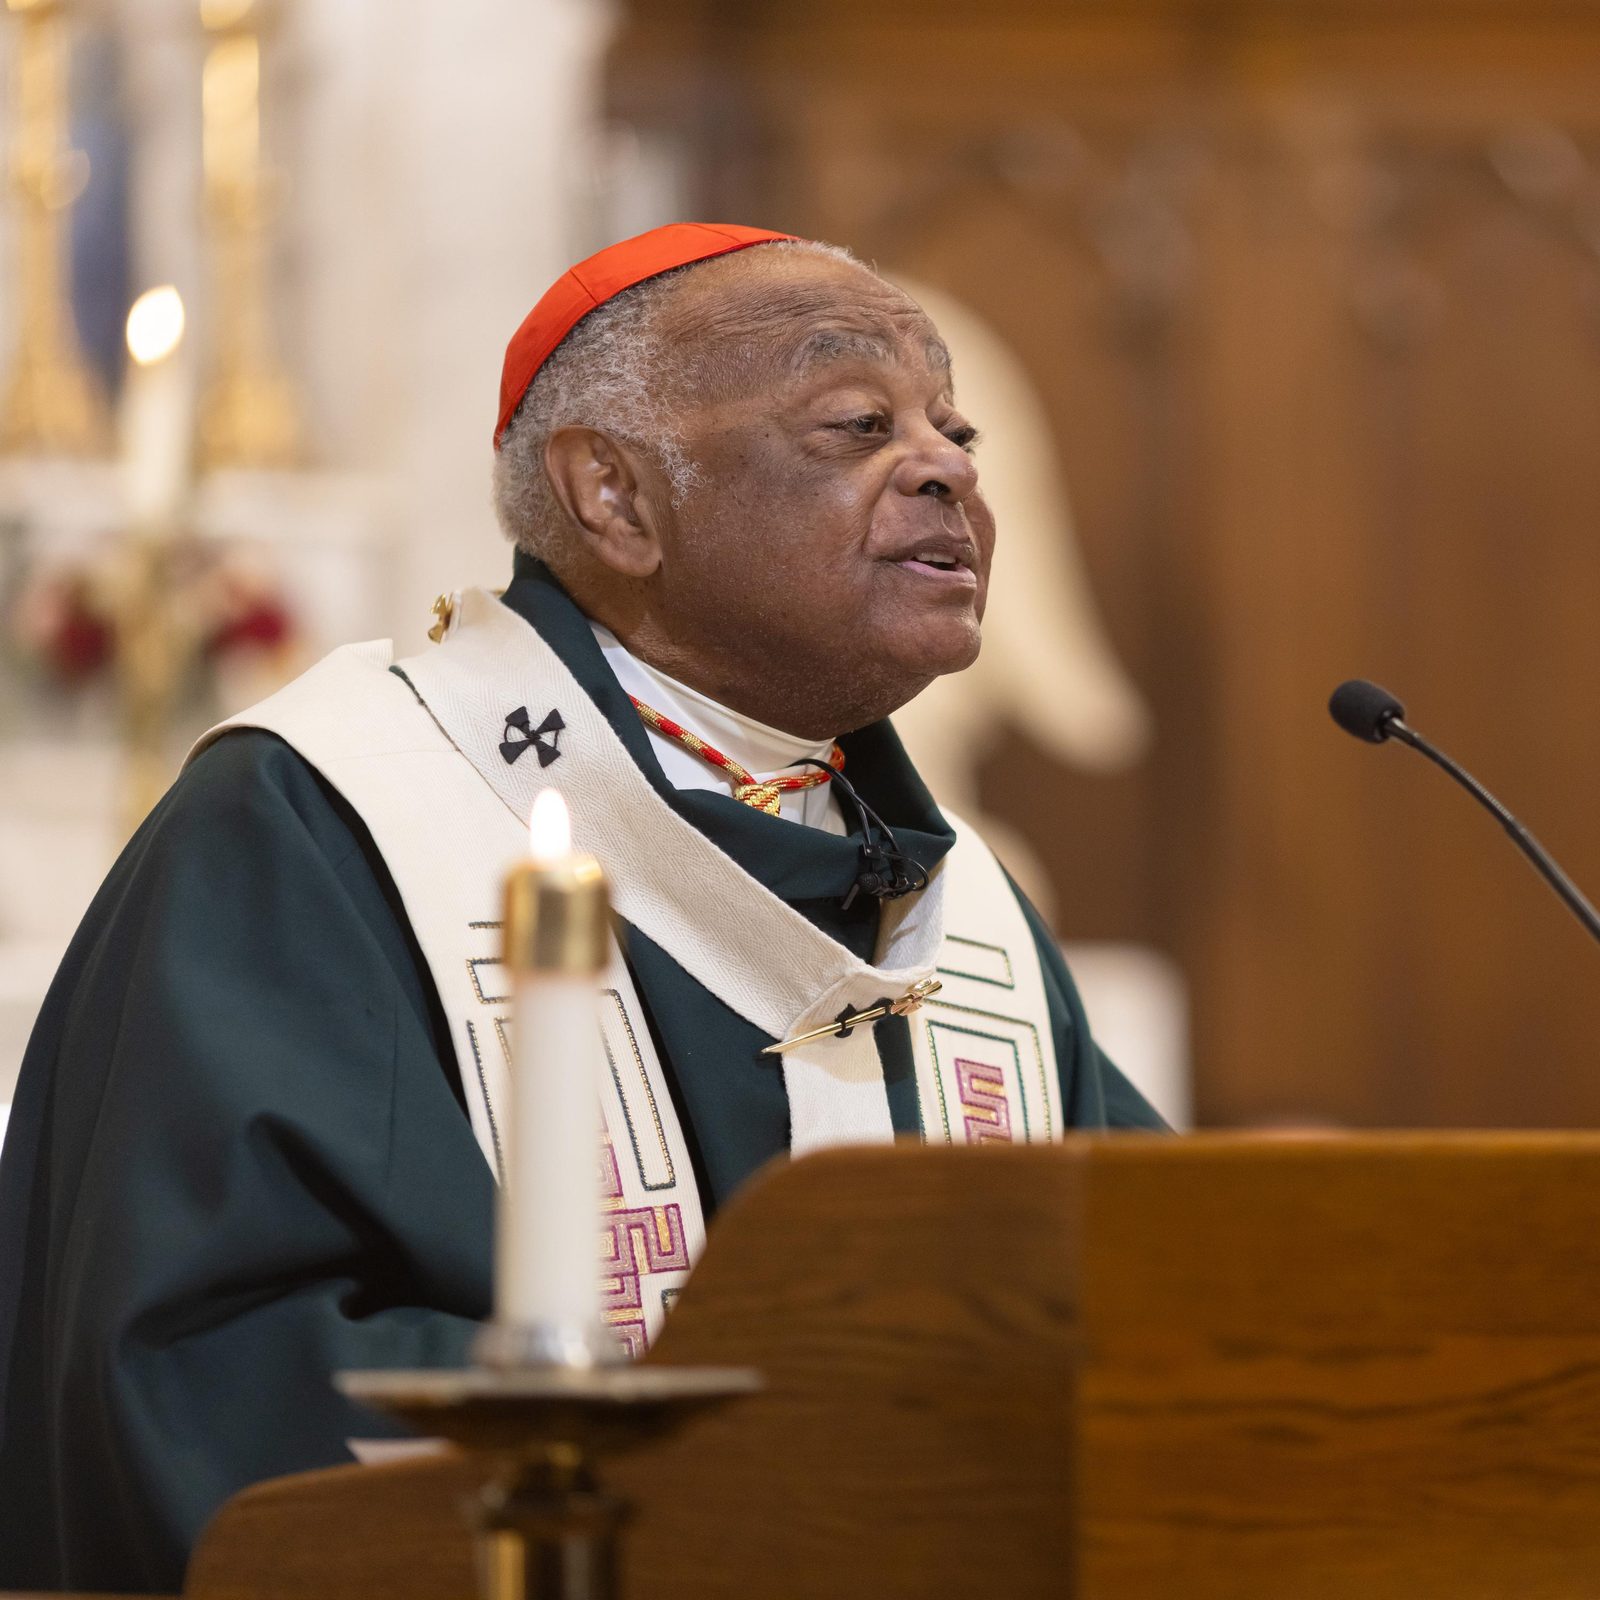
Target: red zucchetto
591 283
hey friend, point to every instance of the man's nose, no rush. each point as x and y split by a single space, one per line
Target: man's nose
939 468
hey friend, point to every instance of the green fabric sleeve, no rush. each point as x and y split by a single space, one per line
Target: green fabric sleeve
258 1170
1094 1090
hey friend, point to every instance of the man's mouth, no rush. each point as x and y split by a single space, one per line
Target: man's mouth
941 561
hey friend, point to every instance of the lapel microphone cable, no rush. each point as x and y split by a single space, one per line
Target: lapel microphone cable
886 872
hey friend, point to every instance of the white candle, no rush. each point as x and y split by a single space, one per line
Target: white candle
547 1249
157 413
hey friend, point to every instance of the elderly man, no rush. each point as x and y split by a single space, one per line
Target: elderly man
258 1127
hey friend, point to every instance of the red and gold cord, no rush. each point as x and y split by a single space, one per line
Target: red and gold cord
765 795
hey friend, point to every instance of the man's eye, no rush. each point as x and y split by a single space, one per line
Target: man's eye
864 426
967 438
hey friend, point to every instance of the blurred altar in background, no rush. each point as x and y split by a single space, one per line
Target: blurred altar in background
352 203
1282 321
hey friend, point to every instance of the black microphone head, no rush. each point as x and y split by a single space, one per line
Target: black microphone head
1364 710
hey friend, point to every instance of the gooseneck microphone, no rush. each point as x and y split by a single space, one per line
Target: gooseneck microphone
1367 712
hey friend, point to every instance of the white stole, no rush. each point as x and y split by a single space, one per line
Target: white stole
420 759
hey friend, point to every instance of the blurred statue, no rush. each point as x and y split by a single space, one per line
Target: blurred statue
1047 668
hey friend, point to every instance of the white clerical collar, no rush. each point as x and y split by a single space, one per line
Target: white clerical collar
763 751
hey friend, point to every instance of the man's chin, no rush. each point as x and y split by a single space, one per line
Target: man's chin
948 644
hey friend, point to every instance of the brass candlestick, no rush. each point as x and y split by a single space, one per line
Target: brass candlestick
249 418
52 404
548 1397
156 648
557 917
549 1529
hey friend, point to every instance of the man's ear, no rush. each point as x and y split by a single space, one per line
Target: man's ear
602 486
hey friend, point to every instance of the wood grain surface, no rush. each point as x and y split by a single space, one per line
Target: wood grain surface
1309 293
1137 1369
1336 1369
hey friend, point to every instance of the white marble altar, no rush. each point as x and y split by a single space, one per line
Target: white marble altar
430 180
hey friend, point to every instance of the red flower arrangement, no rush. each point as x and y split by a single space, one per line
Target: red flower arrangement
65 620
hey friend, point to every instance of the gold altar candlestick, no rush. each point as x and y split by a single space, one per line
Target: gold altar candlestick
52 403
151 657
548 1400
249 418
539 1436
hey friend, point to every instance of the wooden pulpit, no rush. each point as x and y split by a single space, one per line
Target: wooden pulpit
1124 1367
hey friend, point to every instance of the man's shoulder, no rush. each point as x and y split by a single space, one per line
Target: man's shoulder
241 768
240 759
247 784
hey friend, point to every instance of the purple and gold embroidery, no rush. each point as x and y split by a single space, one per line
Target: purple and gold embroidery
981 1087
635 1242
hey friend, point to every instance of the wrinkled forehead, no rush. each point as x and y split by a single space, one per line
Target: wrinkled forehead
790 317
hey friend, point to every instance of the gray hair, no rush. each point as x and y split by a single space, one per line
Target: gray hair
612 372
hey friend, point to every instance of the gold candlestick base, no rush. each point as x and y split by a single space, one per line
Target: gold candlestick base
520 1347
249 419
156 647
53 406
550 1531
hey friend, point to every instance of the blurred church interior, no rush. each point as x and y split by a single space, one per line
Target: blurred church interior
1282 319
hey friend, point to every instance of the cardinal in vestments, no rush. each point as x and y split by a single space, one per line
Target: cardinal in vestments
257 1134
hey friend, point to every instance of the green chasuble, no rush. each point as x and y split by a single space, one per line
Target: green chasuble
240 1159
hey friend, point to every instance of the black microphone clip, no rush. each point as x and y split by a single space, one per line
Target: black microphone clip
886 872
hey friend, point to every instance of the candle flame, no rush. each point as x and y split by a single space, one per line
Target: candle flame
549 828
155 325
